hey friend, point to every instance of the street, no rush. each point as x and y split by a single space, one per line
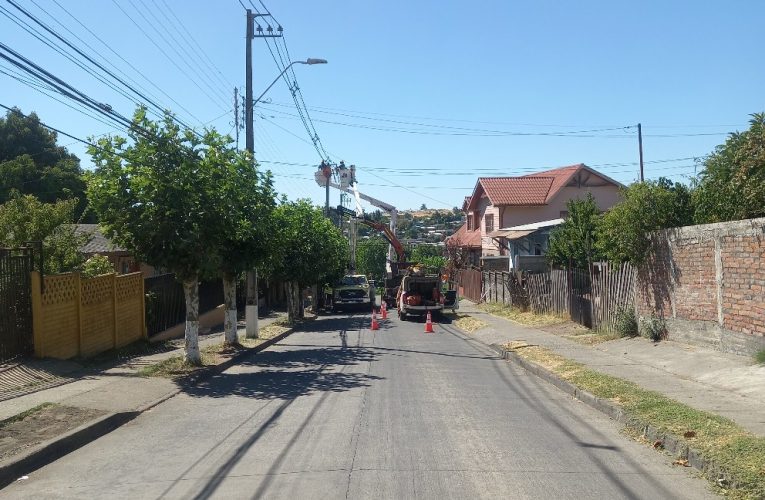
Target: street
339 411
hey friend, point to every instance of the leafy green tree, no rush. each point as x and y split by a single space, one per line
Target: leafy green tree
428 255
732 184
96 265
163 195
32 163
575 240
25 218
250 233
314 251
371 255
647 206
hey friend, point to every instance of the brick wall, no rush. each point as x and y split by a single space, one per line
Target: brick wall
708 283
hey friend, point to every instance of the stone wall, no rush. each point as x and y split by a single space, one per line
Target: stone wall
707 282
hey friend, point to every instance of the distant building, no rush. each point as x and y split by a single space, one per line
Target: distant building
122 260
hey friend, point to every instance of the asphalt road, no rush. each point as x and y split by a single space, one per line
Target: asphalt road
344 412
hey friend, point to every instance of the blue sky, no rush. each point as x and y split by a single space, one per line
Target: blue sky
426 96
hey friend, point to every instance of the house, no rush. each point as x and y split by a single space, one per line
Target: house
511 217
122 260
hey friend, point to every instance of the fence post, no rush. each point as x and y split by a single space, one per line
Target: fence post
114 310
78 298
504 285
143 308
38 338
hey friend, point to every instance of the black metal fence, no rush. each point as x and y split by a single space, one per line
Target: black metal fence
166 305
16 336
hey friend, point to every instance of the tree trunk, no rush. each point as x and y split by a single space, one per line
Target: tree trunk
229 301
251 312
300 301
290 307
191 293
315 299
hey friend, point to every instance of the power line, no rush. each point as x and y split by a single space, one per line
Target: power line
162 51
117 54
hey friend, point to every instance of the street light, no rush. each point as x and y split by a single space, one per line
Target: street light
310 60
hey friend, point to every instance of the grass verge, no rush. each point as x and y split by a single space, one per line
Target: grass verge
527 318
21 416
468 323
176 366
740 454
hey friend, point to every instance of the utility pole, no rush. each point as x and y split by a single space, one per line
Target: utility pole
251 309
236 115
640 146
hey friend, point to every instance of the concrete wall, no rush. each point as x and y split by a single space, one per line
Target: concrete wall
708 283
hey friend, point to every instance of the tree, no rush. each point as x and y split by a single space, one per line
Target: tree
25 218
647 206
163 198
32 163
423 207
428 255
371 256
732 184
314 251
95 266
575 240
250 234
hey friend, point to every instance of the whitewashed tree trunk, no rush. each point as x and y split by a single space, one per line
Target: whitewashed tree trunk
229 301
251 308
315 299
191 293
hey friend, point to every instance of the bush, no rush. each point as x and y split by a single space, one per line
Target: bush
760 356
626 323
96 265
653 327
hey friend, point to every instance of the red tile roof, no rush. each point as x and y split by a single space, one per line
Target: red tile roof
516 190
467 238
528 190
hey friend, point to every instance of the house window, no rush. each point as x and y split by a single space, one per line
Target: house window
470 222
537 249
564 214
489 223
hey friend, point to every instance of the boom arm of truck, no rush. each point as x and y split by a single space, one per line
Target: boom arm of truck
388 235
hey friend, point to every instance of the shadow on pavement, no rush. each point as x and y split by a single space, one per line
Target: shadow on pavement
289 374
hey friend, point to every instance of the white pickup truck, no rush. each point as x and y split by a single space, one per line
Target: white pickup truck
419 294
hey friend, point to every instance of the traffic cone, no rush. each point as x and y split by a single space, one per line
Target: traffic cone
429 324
375 326
384 310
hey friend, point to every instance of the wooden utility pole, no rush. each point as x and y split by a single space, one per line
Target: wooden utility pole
640 146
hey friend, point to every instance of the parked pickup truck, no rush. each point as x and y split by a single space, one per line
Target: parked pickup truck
351 290
420 293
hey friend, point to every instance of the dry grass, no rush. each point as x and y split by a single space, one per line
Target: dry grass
525 318
468 323
740 453
176 366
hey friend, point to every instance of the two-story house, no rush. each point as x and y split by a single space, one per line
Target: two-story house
513 216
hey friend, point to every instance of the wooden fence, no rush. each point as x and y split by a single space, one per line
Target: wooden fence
592 298
83 317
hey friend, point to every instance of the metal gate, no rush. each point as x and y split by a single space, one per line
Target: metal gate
16 337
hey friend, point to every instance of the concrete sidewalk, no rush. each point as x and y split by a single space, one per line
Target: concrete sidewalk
114 390
724 384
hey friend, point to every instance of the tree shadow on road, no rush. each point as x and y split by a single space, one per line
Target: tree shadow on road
290 374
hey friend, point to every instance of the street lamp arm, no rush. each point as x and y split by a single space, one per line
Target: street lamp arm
308 61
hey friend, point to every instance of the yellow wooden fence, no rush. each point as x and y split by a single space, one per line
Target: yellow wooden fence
73 316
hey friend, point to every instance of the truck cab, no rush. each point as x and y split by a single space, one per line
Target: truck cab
351 290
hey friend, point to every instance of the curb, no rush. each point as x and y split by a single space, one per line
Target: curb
57 447
669 442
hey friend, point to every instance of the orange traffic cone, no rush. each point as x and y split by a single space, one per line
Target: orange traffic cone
375 326
384 310
429 324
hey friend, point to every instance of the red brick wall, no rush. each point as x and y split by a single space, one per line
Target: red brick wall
712 273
